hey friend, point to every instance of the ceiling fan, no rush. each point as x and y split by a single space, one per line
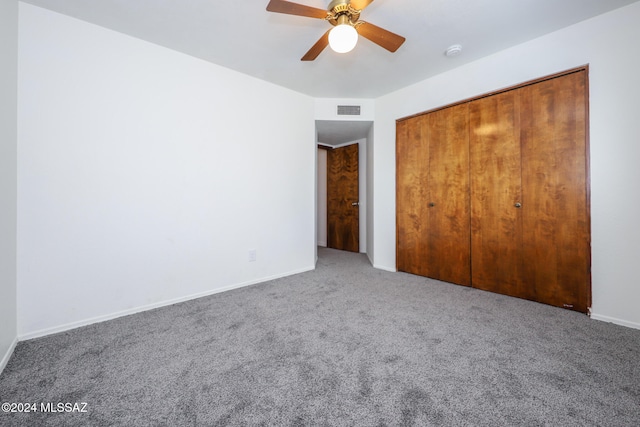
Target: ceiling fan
344 15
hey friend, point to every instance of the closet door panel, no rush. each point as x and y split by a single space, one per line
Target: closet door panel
448 232
412 163
555 200
494 193
496 220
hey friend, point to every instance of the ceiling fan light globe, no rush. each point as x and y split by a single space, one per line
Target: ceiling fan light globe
343 38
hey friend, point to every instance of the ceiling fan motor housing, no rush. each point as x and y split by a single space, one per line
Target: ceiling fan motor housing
340 8
336 3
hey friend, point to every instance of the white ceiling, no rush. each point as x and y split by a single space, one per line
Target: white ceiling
334 132
243 36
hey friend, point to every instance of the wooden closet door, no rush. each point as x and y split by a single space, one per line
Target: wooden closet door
412 164
496 193
555 199
448 232
432 195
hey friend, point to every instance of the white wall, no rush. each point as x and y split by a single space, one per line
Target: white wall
370 192
604 43
145 176
8 175
362 194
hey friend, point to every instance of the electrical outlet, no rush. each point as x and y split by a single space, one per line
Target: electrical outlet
253 255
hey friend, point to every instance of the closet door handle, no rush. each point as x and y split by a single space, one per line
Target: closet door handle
518 205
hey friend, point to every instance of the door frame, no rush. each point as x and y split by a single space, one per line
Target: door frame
362 190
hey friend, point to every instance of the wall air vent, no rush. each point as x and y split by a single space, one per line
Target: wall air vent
348 110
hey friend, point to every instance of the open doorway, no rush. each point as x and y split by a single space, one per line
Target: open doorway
336 137
343 205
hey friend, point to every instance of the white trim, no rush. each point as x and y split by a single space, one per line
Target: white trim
8 354
104 318
620 322
343 144
346 144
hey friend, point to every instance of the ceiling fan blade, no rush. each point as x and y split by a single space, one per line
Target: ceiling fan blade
281 6
317 48
380 36
360 4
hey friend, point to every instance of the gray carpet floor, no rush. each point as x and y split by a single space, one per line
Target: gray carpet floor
344 345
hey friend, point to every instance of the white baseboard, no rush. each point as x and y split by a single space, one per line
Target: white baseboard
8 354
384 267
621 322
104 318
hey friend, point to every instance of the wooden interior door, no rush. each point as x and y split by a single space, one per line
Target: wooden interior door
448 225
496 194
343 225
412 166
555 202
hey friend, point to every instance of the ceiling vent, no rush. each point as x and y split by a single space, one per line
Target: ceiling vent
348 110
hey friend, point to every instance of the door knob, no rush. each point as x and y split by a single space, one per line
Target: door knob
518 205
355 204
431 204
